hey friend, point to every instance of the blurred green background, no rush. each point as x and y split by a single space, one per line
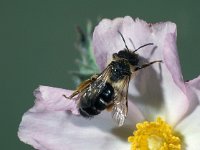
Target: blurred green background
37 39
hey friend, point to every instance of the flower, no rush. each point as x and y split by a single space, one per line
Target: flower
157 92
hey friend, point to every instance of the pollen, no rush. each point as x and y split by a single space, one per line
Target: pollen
157 135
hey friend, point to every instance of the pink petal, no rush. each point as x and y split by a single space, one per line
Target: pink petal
49 98
58 130
50 126
158 90
194 85
134 115
193 93
189 128
103 37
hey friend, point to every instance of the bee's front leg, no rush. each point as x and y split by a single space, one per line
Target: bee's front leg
146 65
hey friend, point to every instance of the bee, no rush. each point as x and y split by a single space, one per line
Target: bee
109 89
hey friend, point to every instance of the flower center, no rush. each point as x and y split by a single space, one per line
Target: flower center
156 135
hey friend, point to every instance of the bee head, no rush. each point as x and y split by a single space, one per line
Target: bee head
131 56
128 55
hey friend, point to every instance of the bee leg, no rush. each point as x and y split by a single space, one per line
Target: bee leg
146 65
82 86
76 92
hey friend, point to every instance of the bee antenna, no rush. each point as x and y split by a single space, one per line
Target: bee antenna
132 42
142 46
123 40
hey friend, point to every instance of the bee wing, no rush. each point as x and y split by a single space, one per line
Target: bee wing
120 107
96 87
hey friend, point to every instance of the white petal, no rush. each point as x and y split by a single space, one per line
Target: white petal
103 37
50 98
58 130
194 86
134 115
158 90
189 128
50 126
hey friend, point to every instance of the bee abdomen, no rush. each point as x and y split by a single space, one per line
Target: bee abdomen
88 112
105 97
107 93
90 107
100 104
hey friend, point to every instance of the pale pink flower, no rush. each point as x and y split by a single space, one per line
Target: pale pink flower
53 122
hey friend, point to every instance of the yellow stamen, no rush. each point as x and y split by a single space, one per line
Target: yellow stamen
156 135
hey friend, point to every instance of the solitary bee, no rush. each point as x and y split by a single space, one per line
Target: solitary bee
109 89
